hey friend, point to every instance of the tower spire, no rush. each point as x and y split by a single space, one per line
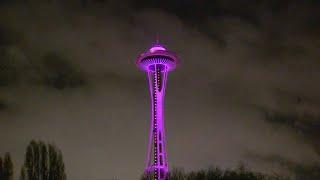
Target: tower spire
157 38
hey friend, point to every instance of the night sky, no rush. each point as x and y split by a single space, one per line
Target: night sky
247 89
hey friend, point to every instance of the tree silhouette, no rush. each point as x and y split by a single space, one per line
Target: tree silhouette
7 171
43 162
23 175
241 173
1 168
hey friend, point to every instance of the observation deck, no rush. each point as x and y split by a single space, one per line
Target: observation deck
157 55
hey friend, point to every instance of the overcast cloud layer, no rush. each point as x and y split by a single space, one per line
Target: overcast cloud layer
247 89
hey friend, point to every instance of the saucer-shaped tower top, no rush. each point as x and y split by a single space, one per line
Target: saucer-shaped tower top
158 56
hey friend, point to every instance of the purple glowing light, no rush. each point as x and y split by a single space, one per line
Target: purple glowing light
157 62
157 48
157 55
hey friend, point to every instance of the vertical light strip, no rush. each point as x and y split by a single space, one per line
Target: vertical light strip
155 90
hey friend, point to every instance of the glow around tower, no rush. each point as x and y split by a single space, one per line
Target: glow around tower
157 62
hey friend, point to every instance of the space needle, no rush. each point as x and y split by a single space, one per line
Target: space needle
157 62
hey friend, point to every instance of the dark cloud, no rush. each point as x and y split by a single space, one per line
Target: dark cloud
8 71
301 171
8 36
3 105
296 121
305 124
8 65
60 74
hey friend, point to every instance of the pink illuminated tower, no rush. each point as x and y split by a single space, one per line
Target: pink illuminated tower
157 62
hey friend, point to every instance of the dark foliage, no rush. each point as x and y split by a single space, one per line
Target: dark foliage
1 168
43 161
6 168
218 174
